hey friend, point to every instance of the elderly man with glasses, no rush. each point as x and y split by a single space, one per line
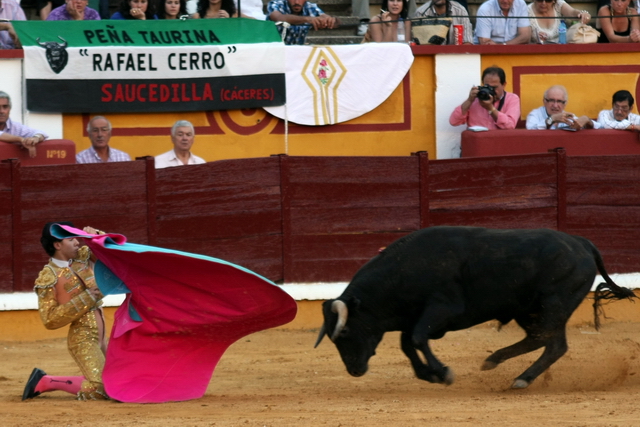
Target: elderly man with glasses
553 116
620 116
74 10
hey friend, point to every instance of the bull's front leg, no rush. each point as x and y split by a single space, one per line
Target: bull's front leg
432 324
433 371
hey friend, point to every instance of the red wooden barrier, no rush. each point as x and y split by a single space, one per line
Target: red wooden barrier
230 209
49 152
317 219
592 142
340 210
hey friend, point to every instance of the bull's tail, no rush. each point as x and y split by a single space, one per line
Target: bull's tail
607 290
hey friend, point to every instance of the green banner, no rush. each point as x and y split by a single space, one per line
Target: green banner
159 32
127 66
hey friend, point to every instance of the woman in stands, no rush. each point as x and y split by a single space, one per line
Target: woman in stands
546 30
622 24
135 9
384 27
171 9
211 9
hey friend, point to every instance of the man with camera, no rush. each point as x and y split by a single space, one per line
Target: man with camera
552 115
489 105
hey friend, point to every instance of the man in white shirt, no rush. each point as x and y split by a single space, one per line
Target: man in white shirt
503 22
553 116
620 116
446 8
182 137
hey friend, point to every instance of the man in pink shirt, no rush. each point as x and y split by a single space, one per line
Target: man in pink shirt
489 106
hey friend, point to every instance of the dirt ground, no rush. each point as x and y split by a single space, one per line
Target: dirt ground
276 378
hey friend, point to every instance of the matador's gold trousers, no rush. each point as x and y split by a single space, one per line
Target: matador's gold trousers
86 345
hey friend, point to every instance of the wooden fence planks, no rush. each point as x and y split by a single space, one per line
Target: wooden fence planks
339 210
318 219
229 209
110 197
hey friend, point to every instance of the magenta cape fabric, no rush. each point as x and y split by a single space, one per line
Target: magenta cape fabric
192 308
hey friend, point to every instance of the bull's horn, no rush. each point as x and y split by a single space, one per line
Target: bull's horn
341 308
65 42
323 331
41 44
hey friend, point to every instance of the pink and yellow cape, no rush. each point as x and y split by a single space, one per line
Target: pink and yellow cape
181 312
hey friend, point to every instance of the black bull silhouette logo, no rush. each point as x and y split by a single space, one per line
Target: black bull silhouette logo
57 55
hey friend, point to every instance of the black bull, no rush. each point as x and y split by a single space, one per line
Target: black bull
442 279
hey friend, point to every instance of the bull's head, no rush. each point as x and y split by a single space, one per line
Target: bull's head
56 54
355 335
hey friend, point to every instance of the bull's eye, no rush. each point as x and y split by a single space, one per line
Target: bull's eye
344 332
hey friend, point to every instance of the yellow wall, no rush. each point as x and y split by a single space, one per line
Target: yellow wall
591 78
26 325
339 139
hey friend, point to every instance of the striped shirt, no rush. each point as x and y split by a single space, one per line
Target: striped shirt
90 156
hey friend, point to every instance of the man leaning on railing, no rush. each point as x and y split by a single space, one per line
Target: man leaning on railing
10 10
492 28
300 15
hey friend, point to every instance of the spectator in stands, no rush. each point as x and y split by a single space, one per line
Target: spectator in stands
74 10
17 133
99 131
135 9
44 7
10 10
360 8
384 26
301 15
552 115
619 28
252 9
171 9
439 8
492 28
182 137
212 9
545 30
491 107
620 116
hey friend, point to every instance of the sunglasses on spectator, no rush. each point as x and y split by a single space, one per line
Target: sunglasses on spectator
546 1
555 101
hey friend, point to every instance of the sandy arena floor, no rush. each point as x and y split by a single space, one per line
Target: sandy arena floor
276 378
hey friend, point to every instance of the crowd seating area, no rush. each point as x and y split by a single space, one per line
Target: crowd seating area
342 9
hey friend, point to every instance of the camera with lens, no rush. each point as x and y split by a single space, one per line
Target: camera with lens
485 92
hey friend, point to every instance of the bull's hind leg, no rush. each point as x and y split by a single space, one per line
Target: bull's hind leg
528 344
549 333
531 342
556 346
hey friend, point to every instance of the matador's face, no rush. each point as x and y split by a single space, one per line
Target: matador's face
66 249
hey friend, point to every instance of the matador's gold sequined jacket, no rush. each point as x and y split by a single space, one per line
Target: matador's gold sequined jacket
66 284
